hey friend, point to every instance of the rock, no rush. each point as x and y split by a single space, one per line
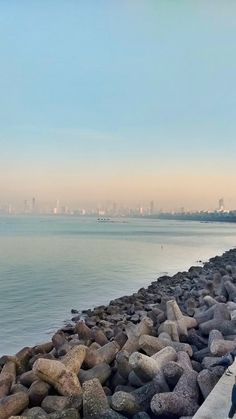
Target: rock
74 358
28 378
172 372
99 336
84 332
101 371
36 413
226 327
134 332
141 415
125 402
147 367
134 380
183 401
13 405
37 392
152 345
106 354
65 414
94 399
22 358
183 322
144 394
123 366
56 374
220 347
60 403
17 388
207 380
55 403
43 348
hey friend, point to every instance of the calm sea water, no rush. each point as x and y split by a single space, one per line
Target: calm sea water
49 265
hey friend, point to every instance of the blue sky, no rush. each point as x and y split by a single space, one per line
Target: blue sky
117 89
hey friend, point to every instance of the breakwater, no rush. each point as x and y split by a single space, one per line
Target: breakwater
148 355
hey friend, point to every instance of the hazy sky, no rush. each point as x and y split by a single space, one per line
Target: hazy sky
118 99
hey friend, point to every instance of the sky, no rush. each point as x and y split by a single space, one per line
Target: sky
126 100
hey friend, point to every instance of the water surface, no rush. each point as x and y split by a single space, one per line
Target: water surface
49 265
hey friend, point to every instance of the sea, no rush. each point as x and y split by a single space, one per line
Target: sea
52 264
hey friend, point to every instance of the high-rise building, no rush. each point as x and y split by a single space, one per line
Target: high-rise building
221 204
25 206
114 208
151 209
56 209
33 204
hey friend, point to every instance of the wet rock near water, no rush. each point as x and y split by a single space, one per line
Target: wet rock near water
152 354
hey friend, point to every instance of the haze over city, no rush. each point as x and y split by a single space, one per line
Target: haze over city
122 101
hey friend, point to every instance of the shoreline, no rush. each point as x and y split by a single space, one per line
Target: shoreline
142 356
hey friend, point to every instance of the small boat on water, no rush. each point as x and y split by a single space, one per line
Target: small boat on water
104 220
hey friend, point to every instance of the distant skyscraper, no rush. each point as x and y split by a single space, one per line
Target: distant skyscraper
33 204
151 209
56 209
25 206
114 208
221 204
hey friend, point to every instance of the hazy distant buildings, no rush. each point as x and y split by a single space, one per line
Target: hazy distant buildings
26 206
33 206
221 206
9 209
151 209
56 209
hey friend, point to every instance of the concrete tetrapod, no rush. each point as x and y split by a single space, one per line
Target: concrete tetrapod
134 332
62 375
7 378
13 405
22 358
43 348
147 367
139 399
70 413
95 403
174 313
170 327
125 402
231 290
207 380
99 336
123 366
226 327
204 315
145 393
220 347
36 413
172 372
83 331
58 403
220 321
106 353
183 401
74 358
152 344
100 371
37 392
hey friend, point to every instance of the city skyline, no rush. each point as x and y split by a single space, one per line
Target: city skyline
127 101
36 207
